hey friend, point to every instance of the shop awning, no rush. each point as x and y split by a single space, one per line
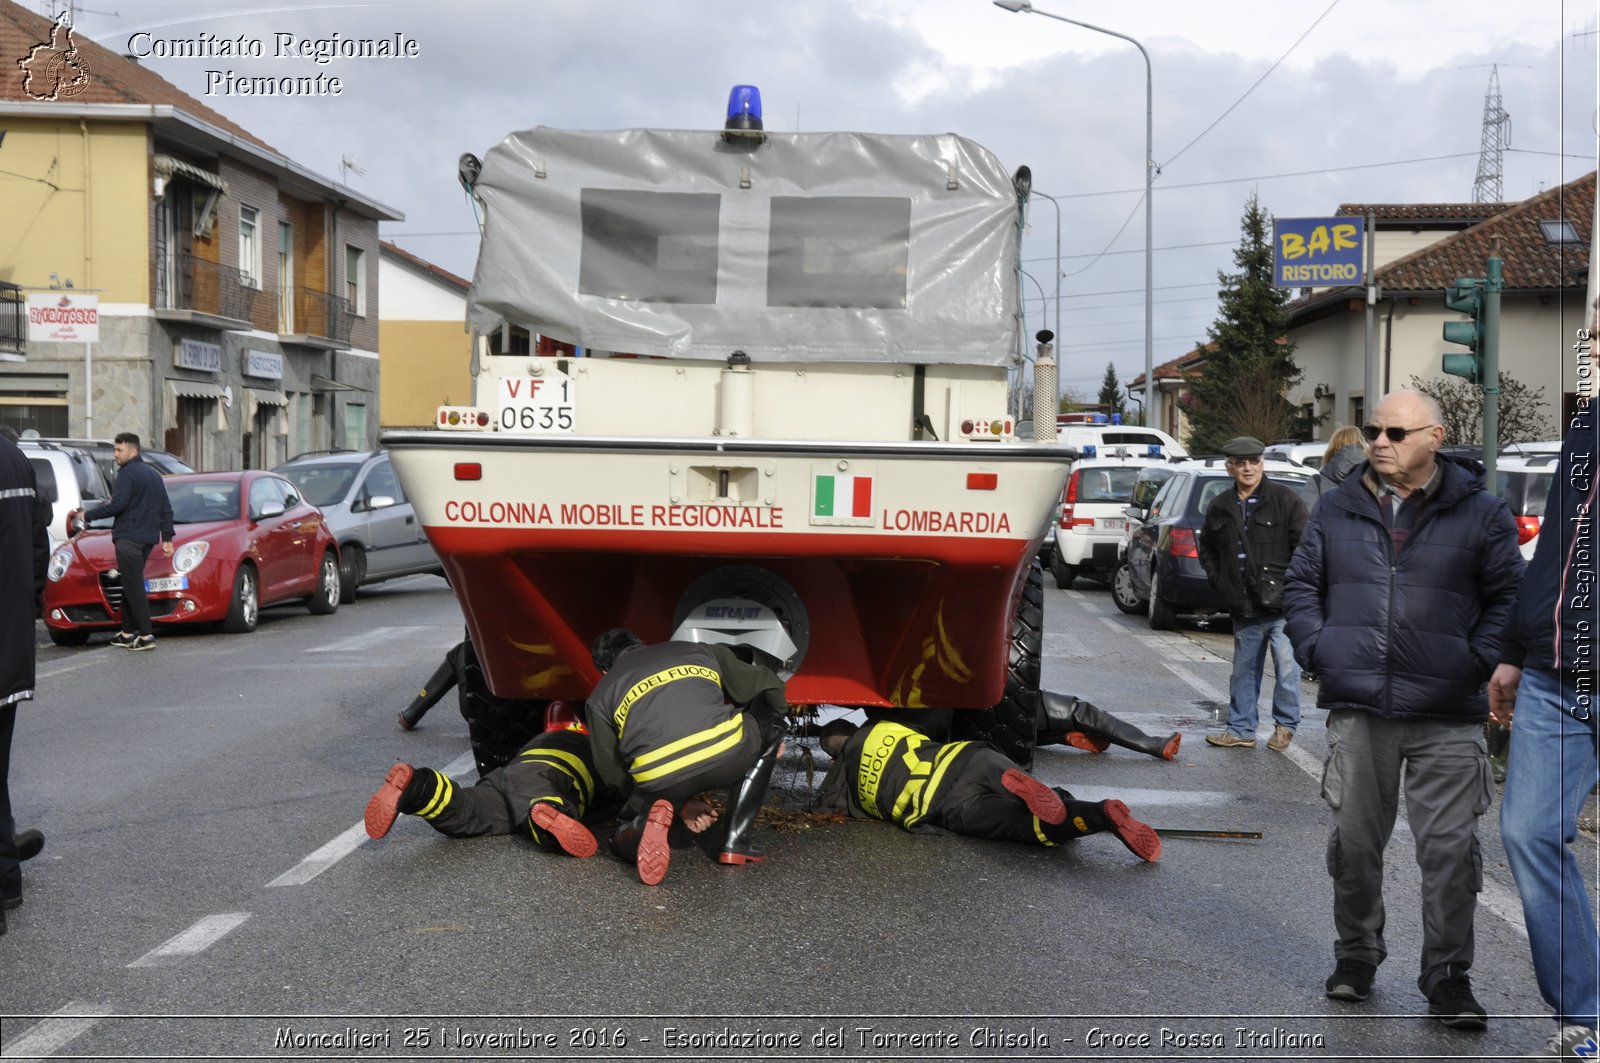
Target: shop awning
324 384
195 389
167 166
267 398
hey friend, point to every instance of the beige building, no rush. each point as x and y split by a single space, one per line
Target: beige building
238 291
422 332
1421 249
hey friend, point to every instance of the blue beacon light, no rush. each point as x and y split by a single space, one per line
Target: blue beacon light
744 110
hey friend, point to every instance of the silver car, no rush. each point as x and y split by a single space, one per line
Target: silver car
364 505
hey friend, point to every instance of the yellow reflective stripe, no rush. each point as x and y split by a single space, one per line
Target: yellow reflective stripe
941 763
569 763
735 722
1038 832
528 819
881 743
688 760
919 778
444 790
649 683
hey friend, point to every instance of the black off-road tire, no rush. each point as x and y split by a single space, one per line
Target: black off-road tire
1013 724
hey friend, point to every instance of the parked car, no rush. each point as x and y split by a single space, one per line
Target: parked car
1307 454
379 535
245 540
1093 439
103 451
1146 486
1090 524
1524 482
69 479
1163 557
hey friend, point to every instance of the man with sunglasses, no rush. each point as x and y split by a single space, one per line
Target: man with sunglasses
1245 544
1397 599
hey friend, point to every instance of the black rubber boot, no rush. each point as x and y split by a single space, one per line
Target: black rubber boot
1064 716
744 802
437 686
1098 817
642 841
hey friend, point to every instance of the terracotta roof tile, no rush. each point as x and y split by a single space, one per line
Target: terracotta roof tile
424 265
1529 260
1425 211
111 77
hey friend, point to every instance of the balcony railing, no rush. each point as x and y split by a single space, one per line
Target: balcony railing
205 287
322 314
13 318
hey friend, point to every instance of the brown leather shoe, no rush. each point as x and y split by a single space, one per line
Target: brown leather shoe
1229 740
1281 737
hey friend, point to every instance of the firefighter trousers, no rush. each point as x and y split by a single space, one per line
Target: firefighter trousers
973 801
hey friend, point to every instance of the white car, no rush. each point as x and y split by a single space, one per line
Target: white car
1524 482
1089 528
68 478
1307 454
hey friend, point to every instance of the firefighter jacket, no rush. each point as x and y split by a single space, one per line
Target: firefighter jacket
24 551
667 714
888 771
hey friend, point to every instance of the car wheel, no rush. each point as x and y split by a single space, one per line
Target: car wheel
1162 618
68 638
245 611
352 570
328 594
1123 592
1063 572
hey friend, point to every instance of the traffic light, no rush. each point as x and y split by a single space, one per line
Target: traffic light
1466 296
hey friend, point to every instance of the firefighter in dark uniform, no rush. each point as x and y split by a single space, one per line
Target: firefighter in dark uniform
886 770
548 788
672 720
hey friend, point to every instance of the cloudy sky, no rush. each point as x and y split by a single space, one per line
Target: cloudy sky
1308 104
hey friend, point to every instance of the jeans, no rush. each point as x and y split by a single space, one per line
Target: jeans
1251 639
1553 767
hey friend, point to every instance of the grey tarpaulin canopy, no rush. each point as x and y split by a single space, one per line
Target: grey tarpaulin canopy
811 247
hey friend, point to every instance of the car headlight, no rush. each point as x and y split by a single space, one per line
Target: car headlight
60 561
189 555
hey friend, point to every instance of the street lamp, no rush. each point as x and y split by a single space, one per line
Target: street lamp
1044 301
1026 6
1056 205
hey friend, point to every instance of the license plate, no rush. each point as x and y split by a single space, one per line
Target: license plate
166 583
1115 523
541 405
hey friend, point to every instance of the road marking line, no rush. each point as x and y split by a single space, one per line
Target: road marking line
74 1019
367 639
51 673
196 939
351 840
1198 685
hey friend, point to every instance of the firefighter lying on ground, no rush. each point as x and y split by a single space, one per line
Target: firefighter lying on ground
886 770
672 720
498 727
1071 721
547 788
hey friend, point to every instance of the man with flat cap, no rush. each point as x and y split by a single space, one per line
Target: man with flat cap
1246 541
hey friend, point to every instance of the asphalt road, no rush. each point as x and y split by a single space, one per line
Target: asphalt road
207 891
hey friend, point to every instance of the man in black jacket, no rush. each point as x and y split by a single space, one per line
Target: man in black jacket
1546 671
143 518
672 720
24 552
1397 599
1246 541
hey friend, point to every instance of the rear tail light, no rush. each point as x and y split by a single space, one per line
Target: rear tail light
1069 499
1527 530
469 470
1182 543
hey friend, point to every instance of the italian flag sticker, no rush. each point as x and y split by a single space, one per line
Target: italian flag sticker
839 496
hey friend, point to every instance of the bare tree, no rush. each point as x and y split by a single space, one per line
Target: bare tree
1461 406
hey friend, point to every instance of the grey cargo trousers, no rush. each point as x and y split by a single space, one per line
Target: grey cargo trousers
1448 785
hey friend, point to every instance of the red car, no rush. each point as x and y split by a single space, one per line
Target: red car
244 540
